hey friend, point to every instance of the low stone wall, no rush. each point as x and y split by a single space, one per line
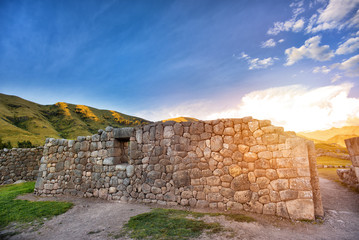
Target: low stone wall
242 164
351 176
19 164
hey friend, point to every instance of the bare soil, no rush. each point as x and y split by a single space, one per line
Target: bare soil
98 219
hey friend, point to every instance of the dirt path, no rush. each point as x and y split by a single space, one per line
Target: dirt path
97 219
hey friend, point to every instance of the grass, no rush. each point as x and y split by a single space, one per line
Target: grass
23 211
174 224
329 173
325 160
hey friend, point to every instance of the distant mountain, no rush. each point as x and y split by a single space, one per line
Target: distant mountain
24 120
333 135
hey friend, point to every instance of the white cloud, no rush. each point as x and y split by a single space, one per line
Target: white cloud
336 15
336 78
322 69
298 108
350 46
349 66
256 63
310 49
281 40
269 43
290 25
298 25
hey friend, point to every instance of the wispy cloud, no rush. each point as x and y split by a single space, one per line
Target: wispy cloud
311 49
336 78
292 24
322 69
349 66
269 43
336 15
349 46
256 63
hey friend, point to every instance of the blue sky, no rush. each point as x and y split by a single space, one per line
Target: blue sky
206 59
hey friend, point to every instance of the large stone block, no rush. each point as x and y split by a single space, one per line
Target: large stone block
301 209
123 133
242 196
240 183
181 179
216 143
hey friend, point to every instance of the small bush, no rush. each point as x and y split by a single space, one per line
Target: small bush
5 144
25 144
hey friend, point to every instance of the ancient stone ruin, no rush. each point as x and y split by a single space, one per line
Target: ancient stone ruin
351 176
242 164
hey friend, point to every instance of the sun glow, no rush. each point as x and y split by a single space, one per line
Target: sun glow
298 108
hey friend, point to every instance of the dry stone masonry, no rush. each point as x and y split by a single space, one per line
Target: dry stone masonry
241 164
19 164
351 176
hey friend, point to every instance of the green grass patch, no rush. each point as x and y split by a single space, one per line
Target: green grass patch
12 210
325 160
174 224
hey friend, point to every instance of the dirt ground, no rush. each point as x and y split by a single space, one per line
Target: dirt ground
98 219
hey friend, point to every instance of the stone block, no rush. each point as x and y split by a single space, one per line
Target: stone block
250 157
299 209
279 184
216 143
214 197
234 170
181 179
300 184
288 194
240 183
242 196
269 208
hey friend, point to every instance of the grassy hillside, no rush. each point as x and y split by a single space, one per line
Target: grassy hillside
181 119
24 120
333 135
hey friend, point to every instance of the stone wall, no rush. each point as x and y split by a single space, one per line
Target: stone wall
351 176
19 164
242 164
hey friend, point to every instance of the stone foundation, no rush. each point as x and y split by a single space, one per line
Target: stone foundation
19 164
241 164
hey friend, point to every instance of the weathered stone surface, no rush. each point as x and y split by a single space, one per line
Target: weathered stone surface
288 194
301 209
235 170
242 196
300 184
213 181
282 210
216 143
181 179
279 184
250 157
240 183
168 132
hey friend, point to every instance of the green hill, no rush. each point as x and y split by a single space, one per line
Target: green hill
24 120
